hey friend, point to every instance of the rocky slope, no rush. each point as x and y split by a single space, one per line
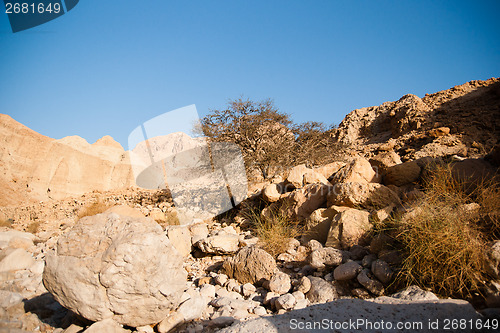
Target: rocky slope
35 167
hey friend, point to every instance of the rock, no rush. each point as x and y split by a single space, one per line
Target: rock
358 252
7 236
302 202
318 223
221 279
384 160
260 311
189 310
20 243
286 302
251 265
326 256
304 285
124 210
271 193
270 298
368 260
347 271
358 170
106 325
110 266
145 329
366 280
321 291
437 132
198 231
180 237
330 169
314 245
414 293
361 195
383 214
248 289
207 291
381 242
280 283
402 174
15 259
348 228
382 271
300 175
223 243
9 298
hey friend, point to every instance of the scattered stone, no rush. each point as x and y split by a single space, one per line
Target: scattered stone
15 259
271 193
220 279
221 243
208 291
321 291
251 265
366 280
347 271
414 293
286 302
314 245
327 256
384 160
198 231
248 289
304 285
106 325
280 283
382 271
260 311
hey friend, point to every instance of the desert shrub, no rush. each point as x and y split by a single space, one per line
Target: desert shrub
274 228
170 219
270 142
441 237
94 208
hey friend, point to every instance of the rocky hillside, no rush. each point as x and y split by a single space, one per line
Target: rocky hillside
34 167
463 120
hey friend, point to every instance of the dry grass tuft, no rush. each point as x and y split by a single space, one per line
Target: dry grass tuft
92 209
274 228
443 239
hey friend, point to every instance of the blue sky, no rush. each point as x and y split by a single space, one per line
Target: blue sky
108 66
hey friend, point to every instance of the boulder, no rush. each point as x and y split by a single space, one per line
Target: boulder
366 279
111 266
318 223
190 309
302 202
301 175
348 228
303 285
402 174
361 194
251 265
384 160
271 193
321 291
330 169
382 271
285 302
358 170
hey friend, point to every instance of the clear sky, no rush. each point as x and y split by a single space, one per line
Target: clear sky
109 65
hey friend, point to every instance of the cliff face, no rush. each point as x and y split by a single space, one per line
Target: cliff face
471 113
34 167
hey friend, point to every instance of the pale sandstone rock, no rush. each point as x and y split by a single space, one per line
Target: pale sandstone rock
180 237
402 174
280 283
15 259
349 227
110 266
361 194
271 193
359 170
106 325
321 291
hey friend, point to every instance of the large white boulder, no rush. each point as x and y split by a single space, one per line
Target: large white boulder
111 266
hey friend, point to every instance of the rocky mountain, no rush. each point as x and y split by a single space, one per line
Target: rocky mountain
36 167
463 120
